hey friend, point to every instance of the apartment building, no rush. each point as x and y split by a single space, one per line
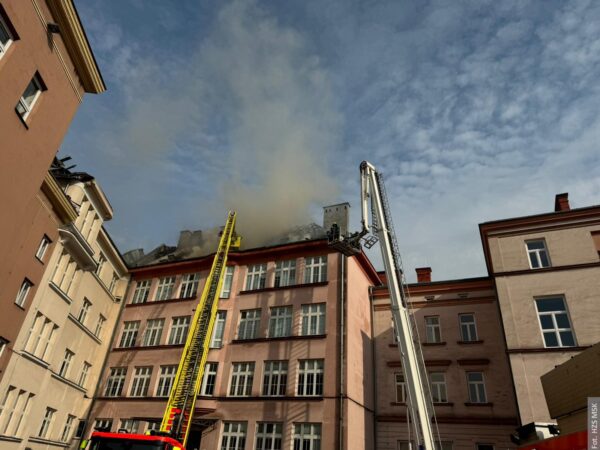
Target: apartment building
460 331
546 269
58 354
46 68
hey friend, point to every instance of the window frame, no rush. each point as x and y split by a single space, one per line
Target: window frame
315 269
300 437
275 378
556 330
256 277
84 311
189 285
65 365
99 325
462 325
280 321
47 422
249 323
140 381
269 440
211 369
478 399
400 387
9 33
83 374
234 439
67 429
44 244
179 331
320 319
216 341
40 87
242 379
227 282
152 333
285 270
165 287
440 388
23 293
115 382
311 380
128 334
141 291
537 253
433 327
166 378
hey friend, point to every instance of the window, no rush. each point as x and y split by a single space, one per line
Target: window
234 436
14 408
218 330
85 370
3 344
189 285
315 269
285 273
437 382
433 329
66 432
44 244
227 280
256 277
116 379
65 273
165 380
280 323
153 426
313 319
46 423
241 379
400 388
179 330
249 324
66 363
209 379
99 325
468 329
269 436
40 337
129 335
307 436
310 378
113 283
101 261
103 424
129 425
141 381
153 332
30 96
476 387
83 312
538 255
6 37
555 323
142 290
23 292
485 446
165 288
275 378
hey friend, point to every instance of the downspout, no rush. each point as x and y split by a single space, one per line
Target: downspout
82 439
373 364
342 332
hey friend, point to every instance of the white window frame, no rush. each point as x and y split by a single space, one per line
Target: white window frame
275 375
100 264
40 337
556 330
66 432
269 436
307 433
129 334
216 340
249 326
315 269
433 329
233 436
209 379
280 321
115 382
256 277
131 425
165 380
153 332
3 344
468 328
189 285
103 424
285 273
24 290
313 319
439 389
5 46
85 371
227 282
16 405
479 395
44 244
66 364
142 292
400 387
140 382
99 325
113 283
242 379
28 107
47 422
179 330
536 255
311 377
83 312
164 291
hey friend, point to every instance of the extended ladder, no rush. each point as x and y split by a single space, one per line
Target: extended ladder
186 386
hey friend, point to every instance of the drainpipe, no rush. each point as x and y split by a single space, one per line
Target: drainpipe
342 332
373 365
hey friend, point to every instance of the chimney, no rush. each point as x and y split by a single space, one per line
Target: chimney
561 203
423 274
338 214
189 239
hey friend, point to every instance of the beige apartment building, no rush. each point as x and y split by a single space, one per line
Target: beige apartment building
546 269
46 68
58 355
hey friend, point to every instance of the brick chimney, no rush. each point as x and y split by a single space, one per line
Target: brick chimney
561 203
423 274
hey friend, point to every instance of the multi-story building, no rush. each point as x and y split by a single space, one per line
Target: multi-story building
58 355
460 332
546 269
290 359
46 67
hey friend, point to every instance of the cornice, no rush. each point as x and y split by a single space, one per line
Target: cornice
59 201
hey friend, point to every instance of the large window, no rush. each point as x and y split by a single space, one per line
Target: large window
242 376
141 381
400 388
47 422
275 378
41 336
66 432
130 332
218 330
165 288
153 332
165 380
280 322
23 292
307 436
256 277
249 324
315 269
115 381
30 96
555 323
310 377
83 312
285 273
234 436
313 319
66 364
437 382
269 436
142 290
468 328
433 330
476 387
227 281
189 285
209 379
538 254
179 330
13 410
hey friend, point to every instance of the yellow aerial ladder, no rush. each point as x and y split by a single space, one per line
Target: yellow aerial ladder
175 426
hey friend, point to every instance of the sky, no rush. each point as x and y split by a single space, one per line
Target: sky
473 111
